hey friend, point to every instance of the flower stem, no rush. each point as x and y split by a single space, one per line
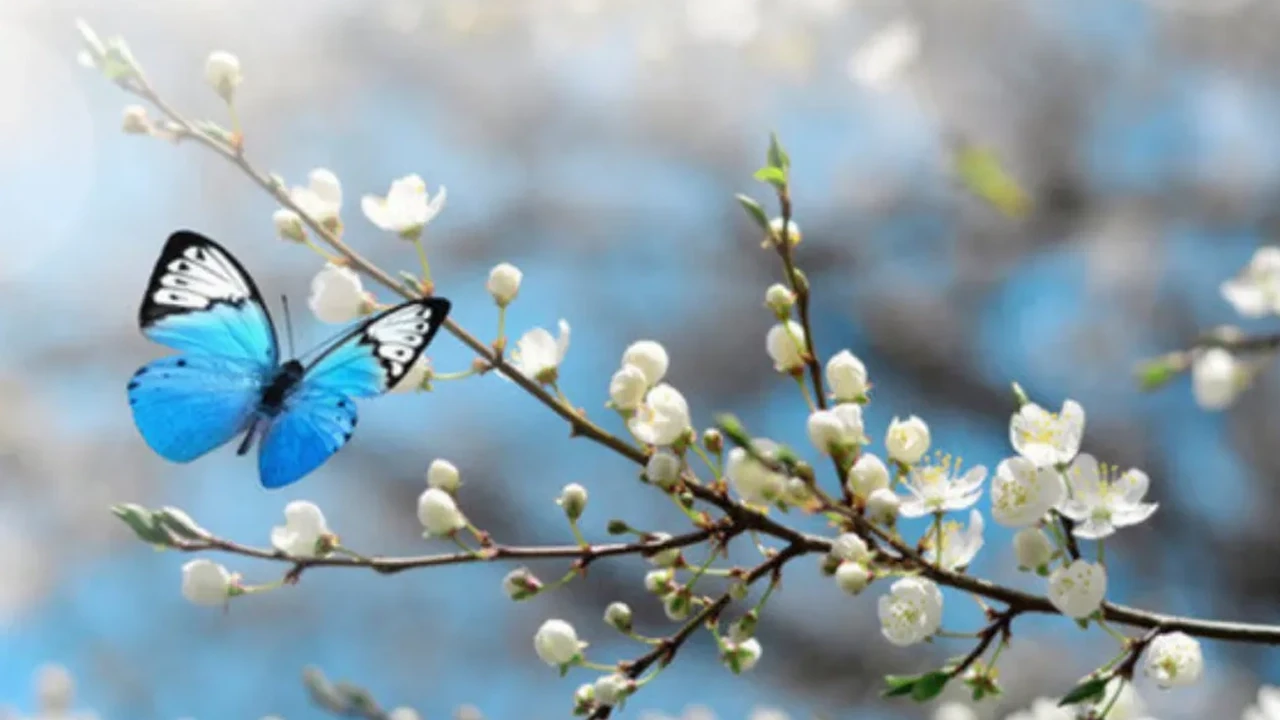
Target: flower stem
422 257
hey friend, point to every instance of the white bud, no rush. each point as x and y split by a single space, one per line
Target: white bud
785 343
1174 659
741 656
304 531
664 558
611 689
618 616
443 475
793 231
835 430
557 643
853 577
677 606
867 475
797 492
1032 549
573 500
847 377
663 468
584 699
205 582
851 547
337 295
1078 589
779 299
1217 378
627 388
521 584
504 283
222 72
907 440
135 121
650 357
288 225
659 582
439 514
882 506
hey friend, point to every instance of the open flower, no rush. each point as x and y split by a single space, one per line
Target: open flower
1174 659
663 417
538 355
935 489
321 198
911 612
1047 438
337 295
1100 502
304 532
1021 493
406 208
1078 589
1256 290
959 544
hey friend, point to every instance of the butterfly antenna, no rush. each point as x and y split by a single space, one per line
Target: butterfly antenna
288 322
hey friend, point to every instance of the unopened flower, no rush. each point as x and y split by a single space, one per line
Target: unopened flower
627 388
288 225
1077 590
222 72
1255 291
1100 502
584 699
659 582
649 357
504 283
205 582
337 295
785 343
867 475
851 547
959 544
835 430
1218 378
611 689
321 199
753 480
521 584
304 533
1046 438
663 468
907 440
1033 549
883 506
573 500
538 355
847 377
1174 659
663 417
1021 493
677 606
793 231
1267 706
911 612
741 656
618 616
663 558
439 514
406 208
938 487
779 299
135 121
557 643
444 475
853 577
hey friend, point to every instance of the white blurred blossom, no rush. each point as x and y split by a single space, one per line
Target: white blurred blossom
205 582
741 656
834 430
752 479
954 711
853 577
649 357
406 208
779 298
1255 291
663 468
1032 548
883 506
785 343
732 22
1078 589
1218 378
321 199
504 283
627 388
337 295
1100 503
867 475
288 225
444 475
911 612
1267 706
663 417
847 377
222 72
879 61
304 528
439 514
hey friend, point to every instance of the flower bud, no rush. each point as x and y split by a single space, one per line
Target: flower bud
793 231
617 527
443 475
663 468
584 700
847 377
573 500
611 689
867 475
853 577
664 558
1032 548
741 657
289 225
851 547
627 388
504 283
618 616
649 357
337 295
205 582
785 343
135 121
907 440
521 584
677 606
713 441
882 507
659 582
439 514
557 643
779 299
222 72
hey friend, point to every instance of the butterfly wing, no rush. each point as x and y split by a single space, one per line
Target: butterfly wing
319 417
187 405
200 300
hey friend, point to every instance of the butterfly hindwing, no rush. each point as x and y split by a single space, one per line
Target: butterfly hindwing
377 354
200 300
314 424
187 405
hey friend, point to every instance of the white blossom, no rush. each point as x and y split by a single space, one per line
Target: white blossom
659 582
882 59
954 711
557 643
1033 549
504 283
627 388
732 22
1174 660
663 417
793 231
321 199
741 656
847 377
304 527
337 295
649 357
755 482
618 616
205 582
883 506
663 558
851 547
1100 503
1255 291
538 355
573 500
1044 709
832 431
934 488
406 208
1267 707
1218 378
135 120
1021 493
959 544
611 689
222 72
911 612
1047 438
439 514
444 475
853 577
1077 590
907 440
677 606
521 584
663 468
288 224
785 343
779 299
867 475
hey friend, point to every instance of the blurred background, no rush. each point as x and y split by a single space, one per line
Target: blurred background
598 144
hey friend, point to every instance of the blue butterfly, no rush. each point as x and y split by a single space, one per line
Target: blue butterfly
229 379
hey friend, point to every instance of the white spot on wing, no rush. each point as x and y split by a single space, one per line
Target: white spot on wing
200 277
398 337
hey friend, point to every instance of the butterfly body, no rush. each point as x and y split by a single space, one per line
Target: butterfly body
229 381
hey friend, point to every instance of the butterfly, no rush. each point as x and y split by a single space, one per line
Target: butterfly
229 380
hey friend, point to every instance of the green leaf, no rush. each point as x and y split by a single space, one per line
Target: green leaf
980 172
143 523
929 686
775 176
753 209
732 427
899 685
1089 691
777 156
179 523
1154 374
